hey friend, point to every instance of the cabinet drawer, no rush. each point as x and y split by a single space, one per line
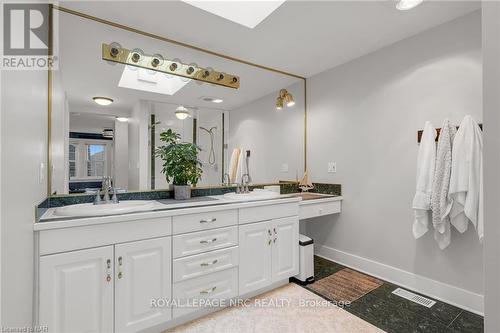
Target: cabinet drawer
206 263
269 212
318 209
204 221
203 241
189 293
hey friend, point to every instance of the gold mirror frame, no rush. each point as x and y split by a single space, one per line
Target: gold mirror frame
157 37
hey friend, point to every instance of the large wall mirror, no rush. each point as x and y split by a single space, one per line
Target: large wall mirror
90 141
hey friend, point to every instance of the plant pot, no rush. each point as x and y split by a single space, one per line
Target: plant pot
182 192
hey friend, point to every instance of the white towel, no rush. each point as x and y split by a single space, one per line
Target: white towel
441 183
241 165
466 184
233 165
425 174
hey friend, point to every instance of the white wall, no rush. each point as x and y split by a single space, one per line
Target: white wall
273 137
60 136
364 115
24 185
120 144
138 140
491 88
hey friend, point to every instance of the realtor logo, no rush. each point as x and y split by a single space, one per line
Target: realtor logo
26 29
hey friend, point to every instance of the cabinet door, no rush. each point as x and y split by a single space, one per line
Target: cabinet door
285 248
143 273
255 256
76 291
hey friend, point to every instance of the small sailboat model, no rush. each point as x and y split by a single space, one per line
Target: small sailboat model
305 184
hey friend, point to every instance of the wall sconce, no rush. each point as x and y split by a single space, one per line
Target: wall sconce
284 98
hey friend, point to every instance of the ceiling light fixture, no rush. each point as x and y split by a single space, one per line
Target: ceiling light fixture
102 100
181 112
284 98
408 4
122 119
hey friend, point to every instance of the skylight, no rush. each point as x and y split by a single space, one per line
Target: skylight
247 13
145 80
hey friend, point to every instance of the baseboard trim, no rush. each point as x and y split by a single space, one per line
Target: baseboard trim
438 290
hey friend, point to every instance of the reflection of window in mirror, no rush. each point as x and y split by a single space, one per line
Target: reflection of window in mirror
72 160
89 160
96 159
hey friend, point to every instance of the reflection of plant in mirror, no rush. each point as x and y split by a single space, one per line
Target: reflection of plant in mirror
180 160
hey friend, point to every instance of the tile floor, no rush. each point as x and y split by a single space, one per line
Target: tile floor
394 314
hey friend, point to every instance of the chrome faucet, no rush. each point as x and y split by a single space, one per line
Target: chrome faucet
107 186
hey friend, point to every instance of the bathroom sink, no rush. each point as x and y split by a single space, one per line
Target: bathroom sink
254 195
89 209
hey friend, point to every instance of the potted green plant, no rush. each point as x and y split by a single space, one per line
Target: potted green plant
181 165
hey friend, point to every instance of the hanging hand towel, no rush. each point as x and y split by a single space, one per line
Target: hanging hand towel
233 165
425 174
466 184
241 165
441 183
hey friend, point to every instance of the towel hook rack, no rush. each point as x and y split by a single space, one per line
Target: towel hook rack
438 131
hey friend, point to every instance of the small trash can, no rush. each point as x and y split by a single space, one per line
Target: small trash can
306 260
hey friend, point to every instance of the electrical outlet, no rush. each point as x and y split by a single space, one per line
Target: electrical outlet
284 167
332 167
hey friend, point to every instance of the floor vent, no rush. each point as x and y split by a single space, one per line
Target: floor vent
414 297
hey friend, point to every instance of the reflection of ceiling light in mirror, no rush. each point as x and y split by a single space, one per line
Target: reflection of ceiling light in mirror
181 112
212 99
122 119
102 100
146 80
247 13
408 4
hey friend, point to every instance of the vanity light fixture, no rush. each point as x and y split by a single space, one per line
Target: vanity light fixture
122 119
284 98
102 100
136 58
408 4
181 112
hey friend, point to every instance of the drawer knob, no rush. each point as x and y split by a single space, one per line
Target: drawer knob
209 263
213 219
208 241
108 278
208 291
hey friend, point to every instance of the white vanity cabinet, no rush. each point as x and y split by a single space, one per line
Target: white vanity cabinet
106 274
269 252
143 273
76 291
89 290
